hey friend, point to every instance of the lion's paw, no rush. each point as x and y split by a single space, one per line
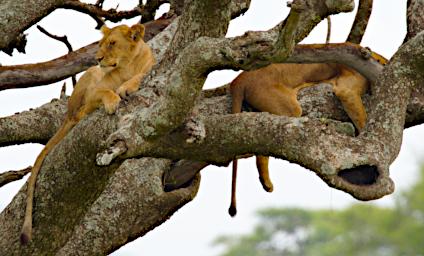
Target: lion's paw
112 104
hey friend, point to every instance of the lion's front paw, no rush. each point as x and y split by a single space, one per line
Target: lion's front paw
126 89
112 103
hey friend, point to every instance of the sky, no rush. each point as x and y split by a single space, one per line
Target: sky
193 228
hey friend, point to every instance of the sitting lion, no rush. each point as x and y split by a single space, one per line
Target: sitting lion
124 59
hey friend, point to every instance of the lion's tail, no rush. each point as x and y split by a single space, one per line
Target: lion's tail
237 96
27 226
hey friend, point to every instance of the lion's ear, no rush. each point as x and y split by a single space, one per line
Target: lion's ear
105 30
136 32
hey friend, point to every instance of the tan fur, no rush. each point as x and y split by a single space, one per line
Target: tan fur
124 58
274 89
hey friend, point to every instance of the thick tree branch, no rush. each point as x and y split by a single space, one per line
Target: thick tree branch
361 21
72 187
36 125
93 235
200 18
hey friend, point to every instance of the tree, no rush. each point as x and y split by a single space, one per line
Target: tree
92 209
362 229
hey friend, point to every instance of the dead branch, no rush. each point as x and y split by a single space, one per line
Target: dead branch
10 176
30 75
361 21
327 39
63 39
94 10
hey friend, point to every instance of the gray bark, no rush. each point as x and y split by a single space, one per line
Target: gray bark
84 209
17 16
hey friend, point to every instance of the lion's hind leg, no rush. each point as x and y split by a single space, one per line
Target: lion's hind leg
349 88
281 101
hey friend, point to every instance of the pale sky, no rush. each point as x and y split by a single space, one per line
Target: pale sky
193 228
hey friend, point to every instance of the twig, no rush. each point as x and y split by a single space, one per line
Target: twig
63 39
327 40
99 3
63 92
10 176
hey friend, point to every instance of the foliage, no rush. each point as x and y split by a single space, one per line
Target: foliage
362 229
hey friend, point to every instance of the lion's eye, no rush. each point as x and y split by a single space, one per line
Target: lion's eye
111 43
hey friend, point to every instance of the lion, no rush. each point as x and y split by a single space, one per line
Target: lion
274 89
124 59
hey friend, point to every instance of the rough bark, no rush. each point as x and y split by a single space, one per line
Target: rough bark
415 18
17 16
84 209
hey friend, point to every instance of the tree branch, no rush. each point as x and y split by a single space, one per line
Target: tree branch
17 16
10 176
30 75
93 235
361 21
200 18
63 39
35 126
71 187
96 11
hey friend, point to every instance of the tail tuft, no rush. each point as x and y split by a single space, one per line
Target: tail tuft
232 211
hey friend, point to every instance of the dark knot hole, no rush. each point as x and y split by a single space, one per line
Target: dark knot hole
360 175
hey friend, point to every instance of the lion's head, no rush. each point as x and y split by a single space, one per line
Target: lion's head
119 45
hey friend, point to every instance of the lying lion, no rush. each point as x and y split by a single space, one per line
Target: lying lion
274 89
